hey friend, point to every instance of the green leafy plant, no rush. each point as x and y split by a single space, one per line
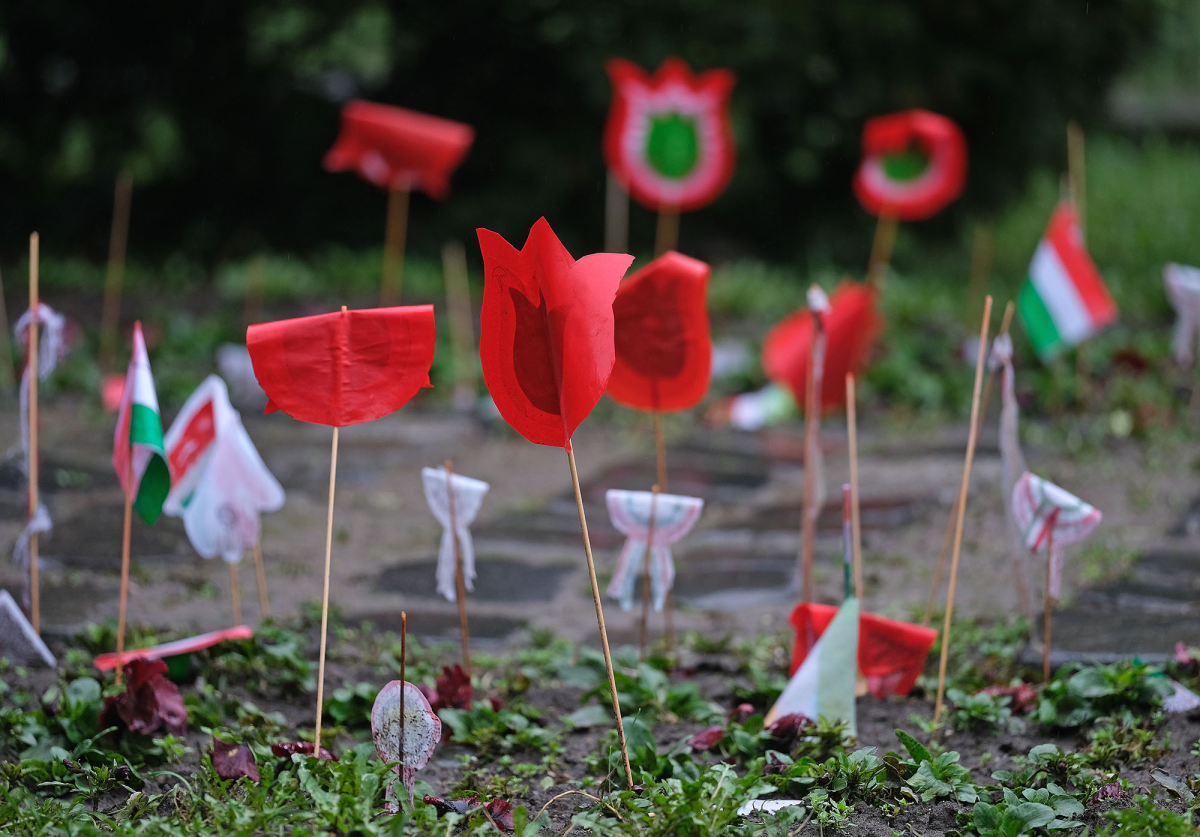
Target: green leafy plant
943 778
1082 695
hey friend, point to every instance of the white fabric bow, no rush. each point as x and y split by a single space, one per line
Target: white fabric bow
630 511
468 497
1183 289
1040 508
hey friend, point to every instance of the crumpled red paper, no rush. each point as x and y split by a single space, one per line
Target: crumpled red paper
664 352
346 367
396 148
546 331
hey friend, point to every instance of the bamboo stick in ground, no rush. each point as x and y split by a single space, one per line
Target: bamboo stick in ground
462 325
660 452
325 593
855 527
1048 602
391 285
460 586
881 248
666 236
403 680
612 681
1076 174
812 429
962 505
235 592
124 572
616 216
254 292
261 573
35 598
647 556
110 315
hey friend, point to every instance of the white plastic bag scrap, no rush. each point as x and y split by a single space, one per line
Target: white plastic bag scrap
1040 507
630 511
219 483
1183 289
51 349
468 497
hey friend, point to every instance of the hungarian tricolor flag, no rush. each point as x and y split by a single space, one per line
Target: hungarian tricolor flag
1064 301
139 457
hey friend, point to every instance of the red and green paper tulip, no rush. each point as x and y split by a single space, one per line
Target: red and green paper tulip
914 165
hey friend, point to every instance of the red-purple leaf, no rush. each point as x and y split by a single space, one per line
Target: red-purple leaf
707 738
151 702
233 761
287 748
1024 697
1110 791
790 727
500 810
741 712
453 689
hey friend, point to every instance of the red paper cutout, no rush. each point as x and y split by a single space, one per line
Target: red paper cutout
546 331
668 138
343 368
396 148
664 353
851 326
891 654
911 196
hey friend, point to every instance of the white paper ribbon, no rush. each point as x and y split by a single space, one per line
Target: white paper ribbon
468 497
1012 460
1183 289
1041 507
674 517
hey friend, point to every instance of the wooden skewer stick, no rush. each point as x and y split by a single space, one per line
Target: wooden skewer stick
254 292
881 248
855 527
944 554
962 504
35 598
235 591
260 572
666 236
6 358
1048 603
391 285
616 216
647 557
612 680
403 680
812 429
462 325
1075 174
460 584
325 593
124 568
110 314
660 451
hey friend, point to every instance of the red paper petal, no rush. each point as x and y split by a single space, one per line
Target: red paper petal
395 148
546 331
673 92
344 368
939 138
851 327
663 349
233 761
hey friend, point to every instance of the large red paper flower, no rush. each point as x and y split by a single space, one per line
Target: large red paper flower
851 326
395 148
664 353
343 368
914 165
668 138
546 331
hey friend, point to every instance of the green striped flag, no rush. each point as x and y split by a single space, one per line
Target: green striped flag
823 686
1064 301
139 457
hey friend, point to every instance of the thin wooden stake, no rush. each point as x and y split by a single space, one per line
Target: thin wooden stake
235 591
616 216
982 246
1048 603
812 427
612 680
6 358
325 592
110 314
944 554
403 679
124 571
391 285
666 236
881 248
855 527
1075 174
252 304
35 598
460 585
660 451
962 504
462 325
260 572
646 558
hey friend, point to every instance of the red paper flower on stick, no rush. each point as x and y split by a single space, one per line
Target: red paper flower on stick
914 165
664 353
851 326
546 331
396 148
668 138
343 368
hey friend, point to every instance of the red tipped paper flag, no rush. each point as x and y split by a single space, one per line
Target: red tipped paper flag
396 148
139 457
664 353
1064 301
546 331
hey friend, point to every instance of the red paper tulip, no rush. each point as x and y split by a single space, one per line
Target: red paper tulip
668 138
546 331
851 326
664 354
343 368
891 654
914 165
395 148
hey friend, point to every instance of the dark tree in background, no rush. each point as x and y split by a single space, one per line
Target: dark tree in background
222 110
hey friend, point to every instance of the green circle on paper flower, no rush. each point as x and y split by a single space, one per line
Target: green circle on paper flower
907 166
673 147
